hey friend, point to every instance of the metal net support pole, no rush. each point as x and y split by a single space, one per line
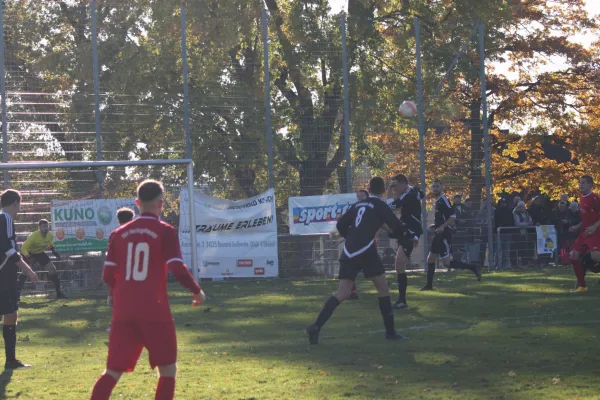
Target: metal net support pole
486 146
421 126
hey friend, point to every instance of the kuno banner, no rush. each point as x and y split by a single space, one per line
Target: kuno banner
317 214
85 225
235 239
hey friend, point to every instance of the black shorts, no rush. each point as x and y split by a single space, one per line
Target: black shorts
369 262
9 299
407 244
442 245
40 258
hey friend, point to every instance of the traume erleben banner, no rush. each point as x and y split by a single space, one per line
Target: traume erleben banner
317 214
85 225
234 238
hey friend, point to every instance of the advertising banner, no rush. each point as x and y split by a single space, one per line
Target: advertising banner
235 239
317 214
85 225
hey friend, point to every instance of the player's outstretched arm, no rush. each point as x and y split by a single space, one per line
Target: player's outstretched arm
27 269
172 251
185 278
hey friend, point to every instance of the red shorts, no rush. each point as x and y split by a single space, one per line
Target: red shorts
585 243
128 338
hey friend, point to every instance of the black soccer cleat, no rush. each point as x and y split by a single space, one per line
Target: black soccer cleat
399 305
394 336
313 334
477 272
426 288
61 295
16 364
353 297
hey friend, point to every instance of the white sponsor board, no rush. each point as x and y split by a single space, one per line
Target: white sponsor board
546 239
85 225
235 239
317 214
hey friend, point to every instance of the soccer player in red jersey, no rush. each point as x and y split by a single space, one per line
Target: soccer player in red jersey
139 255
588 242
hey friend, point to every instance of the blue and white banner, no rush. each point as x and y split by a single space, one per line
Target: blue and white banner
317 214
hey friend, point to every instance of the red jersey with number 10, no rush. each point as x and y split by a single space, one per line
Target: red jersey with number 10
589 209
139 253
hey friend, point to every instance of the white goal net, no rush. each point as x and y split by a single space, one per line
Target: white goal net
83 214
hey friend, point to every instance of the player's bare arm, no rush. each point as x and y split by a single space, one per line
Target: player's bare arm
27 269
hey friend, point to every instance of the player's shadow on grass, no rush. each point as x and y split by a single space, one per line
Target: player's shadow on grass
36 305
5 378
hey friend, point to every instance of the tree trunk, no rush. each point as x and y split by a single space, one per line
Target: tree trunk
477 176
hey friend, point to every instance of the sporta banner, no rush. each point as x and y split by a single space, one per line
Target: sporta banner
235 239
317 214
85 225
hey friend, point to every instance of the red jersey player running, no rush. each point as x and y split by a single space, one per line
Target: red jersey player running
139 255
586 249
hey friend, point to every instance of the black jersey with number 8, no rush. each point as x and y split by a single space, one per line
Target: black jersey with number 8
360 224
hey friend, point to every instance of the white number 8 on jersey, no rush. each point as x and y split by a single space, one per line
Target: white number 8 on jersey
359 215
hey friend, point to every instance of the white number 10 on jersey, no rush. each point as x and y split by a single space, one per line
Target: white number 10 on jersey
134 252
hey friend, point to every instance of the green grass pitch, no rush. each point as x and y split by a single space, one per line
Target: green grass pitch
515 335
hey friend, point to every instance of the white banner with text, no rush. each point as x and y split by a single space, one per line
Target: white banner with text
235 239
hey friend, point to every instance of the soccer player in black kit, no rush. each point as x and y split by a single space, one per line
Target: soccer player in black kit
359 226
407 200
442 240
10 262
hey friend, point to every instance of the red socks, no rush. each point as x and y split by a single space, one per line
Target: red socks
165 389
353 293
103 387
579 273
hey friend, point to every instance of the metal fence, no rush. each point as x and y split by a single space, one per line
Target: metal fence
247 94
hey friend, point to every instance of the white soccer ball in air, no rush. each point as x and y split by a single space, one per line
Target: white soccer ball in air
408 109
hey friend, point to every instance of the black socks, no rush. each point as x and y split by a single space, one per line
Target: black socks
10 342
402 284
385 306
430 274
328 309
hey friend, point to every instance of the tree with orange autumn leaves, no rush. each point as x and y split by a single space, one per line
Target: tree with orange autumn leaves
551 111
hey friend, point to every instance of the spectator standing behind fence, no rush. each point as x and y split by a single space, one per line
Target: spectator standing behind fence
563 220
516 201
503 218
521 239
537 211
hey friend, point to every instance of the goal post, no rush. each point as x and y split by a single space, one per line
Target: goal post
26 168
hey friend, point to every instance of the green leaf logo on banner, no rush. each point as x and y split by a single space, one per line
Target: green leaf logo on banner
104 215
